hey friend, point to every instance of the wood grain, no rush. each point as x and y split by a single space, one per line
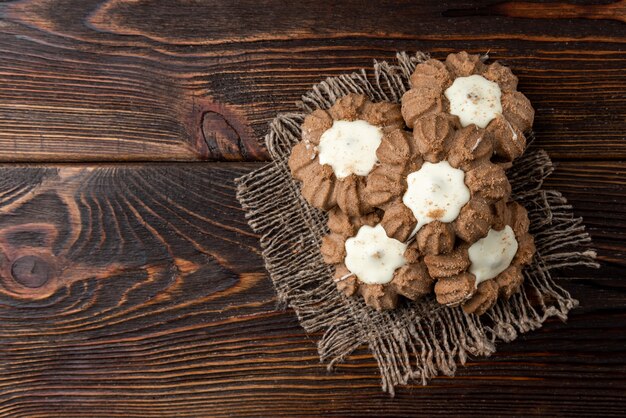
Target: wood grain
554 10
158 305
110 80
130 284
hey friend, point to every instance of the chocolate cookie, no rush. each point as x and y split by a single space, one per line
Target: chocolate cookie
439 184
369 263
477 275
338 151
475 94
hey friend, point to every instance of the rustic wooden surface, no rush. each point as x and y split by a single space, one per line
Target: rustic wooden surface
130 284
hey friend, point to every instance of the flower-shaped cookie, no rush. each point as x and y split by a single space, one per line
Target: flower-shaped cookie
478 94
338 151
369 263
440 184
476 275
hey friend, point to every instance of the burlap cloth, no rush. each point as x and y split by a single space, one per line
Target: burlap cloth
422 339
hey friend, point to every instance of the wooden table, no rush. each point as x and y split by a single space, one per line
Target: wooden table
130 283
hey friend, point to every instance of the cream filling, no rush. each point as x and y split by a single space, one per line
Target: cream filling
475 100
436 192
493 254
349 147
372 256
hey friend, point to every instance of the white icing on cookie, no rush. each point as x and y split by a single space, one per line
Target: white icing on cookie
474 99
493 254
349 147
372 256
436 192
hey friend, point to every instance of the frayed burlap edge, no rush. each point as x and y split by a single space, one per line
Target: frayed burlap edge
418 340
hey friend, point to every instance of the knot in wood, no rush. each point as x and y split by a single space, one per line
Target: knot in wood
31 271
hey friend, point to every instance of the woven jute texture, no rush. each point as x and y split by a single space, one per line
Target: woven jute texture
421 339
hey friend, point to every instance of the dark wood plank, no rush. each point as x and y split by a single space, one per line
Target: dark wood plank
156 304
597 190
98 80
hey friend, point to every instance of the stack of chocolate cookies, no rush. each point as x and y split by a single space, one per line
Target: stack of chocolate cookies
417 194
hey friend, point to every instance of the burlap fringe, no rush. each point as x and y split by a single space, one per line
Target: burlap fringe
419 340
